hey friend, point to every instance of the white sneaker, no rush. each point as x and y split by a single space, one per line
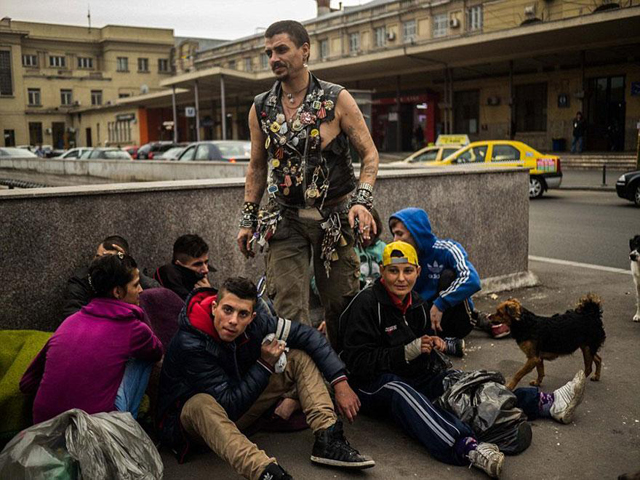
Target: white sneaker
567 398
487 457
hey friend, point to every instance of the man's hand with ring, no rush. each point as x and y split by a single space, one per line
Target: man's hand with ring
365 219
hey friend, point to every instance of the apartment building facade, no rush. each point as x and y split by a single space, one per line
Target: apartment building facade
496 69
50 75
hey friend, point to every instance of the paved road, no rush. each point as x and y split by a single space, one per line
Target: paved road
583 226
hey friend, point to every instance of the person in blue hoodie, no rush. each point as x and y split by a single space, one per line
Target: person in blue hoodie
448 279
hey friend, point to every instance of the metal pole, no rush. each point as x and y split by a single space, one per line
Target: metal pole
512 101
223 109
604 175
175 114
197 113
398 126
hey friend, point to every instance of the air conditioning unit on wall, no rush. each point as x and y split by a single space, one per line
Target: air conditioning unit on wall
454 23
391 36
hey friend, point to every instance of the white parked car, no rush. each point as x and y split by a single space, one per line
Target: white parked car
74 152
13 152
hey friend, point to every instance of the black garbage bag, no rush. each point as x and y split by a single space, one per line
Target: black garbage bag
480 399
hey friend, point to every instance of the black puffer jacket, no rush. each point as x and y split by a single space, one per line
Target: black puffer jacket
195 362
375 332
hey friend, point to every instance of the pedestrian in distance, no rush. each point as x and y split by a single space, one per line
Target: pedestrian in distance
579 128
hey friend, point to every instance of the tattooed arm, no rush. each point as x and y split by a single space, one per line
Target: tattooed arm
256 180
353 124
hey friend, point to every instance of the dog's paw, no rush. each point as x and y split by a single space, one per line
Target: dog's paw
595 378
636 317
535 383
511 385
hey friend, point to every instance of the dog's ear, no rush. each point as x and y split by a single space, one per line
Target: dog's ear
513 308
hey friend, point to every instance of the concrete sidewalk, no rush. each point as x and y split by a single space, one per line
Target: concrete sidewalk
590 179
603 442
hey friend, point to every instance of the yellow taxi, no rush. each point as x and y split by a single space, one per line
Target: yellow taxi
445 146
545 171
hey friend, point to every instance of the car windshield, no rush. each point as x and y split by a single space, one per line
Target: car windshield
172 153
115 155
234 149
427 156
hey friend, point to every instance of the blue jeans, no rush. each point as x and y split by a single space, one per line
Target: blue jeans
134 384
576 144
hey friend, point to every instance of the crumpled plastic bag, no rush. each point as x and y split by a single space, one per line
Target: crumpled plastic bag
481 400
76 445
281 364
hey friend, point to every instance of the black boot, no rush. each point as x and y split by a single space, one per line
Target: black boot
331 448
275 472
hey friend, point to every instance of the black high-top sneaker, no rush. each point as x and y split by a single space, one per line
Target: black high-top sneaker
331 448
275 472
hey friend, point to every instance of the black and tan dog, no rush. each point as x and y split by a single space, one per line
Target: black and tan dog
547 338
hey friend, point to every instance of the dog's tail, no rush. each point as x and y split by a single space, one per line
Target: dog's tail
590 303
591 307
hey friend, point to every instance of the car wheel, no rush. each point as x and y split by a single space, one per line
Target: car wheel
636 195
536 188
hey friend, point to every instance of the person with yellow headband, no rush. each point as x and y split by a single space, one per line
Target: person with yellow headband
397 369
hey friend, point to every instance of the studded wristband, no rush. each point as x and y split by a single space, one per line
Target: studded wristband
362 197
250 208
249 221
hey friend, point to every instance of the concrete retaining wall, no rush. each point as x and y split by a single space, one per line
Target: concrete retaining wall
47 233
128 170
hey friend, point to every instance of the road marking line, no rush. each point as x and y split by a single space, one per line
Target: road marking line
578 264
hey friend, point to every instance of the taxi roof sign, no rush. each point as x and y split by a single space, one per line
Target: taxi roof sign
452 140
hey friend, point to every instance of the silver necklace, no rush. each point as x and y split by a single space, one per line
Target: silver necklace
292 96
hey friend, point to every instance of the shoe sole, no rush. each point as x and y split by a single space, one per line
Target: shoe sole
342 464
501 335
571 408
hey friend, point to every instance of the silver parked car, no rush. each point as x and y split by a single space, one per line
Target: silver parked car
12 152
106 154
221 150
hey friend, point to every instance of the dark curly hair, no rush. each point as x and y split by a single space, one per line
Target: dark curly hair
241 287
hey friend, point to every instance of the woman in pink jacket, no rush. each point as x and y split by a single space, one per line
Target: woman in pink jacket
100 358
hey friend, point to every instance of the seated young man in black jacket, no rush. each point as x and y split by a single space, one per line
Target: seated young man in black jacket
392 356
189 266
223 370
78 291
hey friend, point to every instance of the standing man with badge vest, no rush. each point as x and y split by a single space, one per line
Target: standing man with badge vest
300 135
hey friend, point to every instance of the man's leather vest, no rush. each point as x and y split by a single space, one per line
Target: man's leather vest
301 174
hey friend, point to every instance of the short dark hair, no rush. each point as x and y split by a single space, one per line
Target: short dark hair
295 30
112 240
189 246
110 271
241 287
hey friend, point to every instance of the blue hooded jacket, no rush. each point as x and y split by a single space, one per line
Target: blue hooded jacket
436 255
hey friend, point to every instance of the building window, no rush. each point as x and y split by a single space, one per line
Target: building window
381 37
248 64
119 131
33 97
35 133
143 64
122 64
232 64
531 107
124 95
354 42
96 97
474 18
66 97
6 82
324 49
57 61
85 62
163 65
9 138
409 31
30 60
440 25
264 61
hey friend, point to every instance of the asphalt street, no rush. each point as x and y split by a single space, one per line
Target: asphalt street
583 226
601 443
